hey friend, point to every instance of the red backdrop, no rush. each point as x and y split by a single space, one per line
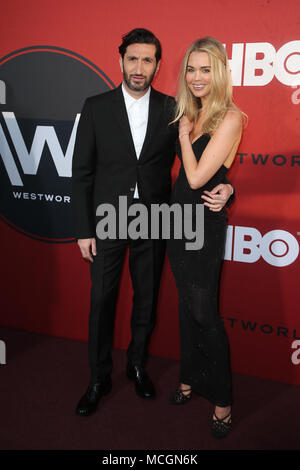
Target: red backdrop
45 286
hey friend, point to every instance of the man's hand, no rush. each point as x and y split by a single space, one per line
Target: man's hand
217 198
88 248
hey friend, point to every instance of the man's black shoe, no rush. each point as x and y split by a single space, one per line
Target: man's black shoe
143 386
89 402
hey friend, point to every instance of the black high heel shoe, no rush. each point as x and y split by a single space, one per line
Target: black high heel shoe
180 398
219 427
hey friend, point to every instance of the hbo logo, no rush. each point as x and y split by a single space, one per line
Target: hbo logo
247 245
284 63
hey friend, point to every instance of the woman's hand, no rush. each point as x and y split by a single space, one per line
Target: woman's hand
185 127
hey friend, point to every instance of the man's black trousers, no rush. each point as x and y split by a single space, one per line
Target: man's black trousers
146 259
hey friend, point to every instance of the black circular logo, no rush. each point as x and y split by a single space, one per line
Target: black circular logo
42 91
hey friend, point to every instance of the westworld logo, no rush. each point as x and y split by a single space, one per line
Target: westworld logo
43 89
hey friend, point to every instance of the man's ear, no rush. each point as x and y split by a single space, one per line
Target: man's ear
121 63
157 68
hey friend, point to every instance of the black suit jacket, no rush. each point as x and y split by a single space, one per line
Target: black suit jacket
105 165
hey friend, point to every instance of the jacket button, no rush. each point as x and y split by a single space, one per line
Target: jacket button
131 189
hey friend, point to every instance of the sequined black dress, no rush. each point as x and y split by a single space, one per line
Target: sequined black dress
204 360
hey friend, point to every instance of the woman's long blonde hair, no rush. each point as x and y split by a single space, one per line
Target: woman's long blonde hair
219 99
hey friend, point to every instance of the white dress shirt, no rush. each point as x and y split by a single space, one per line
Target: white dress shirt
137 112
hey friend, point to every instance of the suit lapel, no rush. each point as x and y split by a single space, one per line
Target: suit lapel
153 118
119 109
122 119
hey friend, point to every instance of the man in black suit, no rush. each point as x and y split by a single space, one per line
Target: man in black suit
124 146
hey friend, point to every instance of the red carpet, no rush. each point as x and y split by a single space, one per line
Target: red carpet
44 378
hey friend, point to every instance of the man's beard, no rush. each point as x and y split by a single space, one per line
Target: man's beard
141 87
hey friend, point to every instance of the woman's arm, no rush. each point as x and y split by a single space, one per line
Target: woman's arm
216 152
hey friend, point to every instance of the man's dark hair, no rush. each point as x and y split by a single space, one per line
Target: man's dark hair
140 36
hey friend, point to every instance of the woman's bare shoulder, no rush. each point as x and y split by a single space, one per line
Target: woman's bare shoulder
231 123
234 117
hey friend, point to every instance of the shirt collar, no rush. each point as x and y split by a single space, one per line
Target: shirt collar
129 100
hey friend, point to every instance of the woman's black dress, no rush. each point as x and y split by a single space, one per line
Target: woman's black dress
204 360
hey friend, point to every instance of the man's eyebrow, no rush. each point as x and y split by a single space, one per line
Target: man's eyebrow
144 58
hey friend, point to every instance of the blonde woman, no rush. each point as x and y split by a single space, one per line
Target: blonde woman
210 129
